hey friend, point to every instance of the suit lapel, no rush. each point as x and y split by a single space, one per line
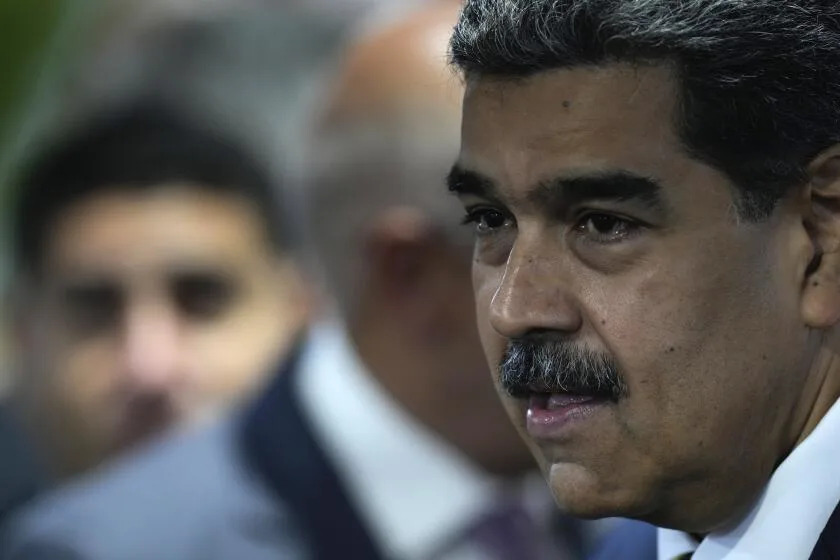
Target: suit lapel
279 445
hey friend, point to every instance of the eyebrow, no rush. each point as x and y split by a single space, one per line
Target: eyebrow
616 185
463 182
621 186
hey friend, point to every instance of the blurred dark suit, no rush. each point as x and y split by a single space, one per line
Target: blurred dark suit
20 478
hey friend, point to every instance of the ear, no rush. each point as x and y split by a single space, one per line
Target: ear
821 290
400 250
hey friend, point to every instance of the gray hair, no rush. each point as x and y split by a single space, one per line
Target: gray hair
759 86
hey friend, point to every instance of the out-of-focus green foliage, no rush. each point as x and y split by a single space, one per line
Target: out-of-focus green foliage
27 31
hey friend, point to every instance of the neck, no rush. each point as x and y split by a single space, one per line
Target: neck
820 394
386 351
392 350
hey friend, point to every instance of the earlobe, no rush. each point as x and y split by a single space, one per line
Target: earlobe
821 303
821 285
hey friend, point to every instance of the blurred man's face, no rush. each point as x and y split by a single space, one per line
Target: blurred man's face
647 343
154 309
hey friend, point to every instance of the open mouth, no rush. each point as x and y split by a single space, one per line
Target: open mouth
555 401
550 415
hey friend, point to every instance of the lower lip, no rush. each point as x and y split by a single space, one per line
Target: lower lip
549 416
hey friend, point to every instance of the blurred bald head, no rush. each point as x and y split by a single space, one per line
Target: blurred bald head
400 73
392 250
388 132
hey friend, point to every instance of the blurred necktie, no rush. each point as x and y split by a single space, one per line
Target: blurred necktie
509 532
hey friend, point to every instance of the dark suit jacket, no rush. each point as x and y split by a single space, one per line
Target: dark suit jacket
634 540
278 443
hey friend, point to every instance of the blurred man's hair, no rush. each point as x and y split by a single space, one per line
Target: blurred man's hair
140 147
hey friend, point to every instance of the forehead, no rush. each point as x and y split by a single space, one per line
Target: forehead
584 118
126 232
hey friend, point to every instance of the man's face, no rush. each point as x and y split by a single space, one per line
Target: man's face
652 339
154 309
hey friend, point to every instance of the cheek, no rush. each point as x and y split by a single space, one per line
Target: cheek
75 396
229 358
694 341
82 375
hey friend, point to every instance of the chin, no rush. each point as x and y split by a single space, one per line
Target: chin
581 493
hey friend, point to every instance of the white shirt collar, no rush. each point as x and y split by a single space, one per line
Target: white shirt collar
788 518
414 491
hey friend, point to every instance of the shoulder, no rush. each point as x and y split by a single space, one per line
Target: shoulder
630 540
184 496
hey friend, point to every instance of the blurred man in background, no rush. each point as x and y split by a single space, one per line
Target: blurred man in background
382 436
153 284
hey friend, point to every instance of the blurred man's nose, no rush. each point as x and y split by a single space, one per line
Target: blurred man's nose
534 293
152 348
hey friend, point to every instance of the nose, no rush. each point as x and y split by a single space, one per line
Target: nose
152 349
534 293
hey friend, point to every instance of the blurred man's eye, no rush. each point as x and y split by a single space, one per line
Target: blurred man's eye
203 296
91 308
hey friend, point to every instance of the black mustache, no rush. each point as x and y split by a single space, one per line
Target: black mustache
558 366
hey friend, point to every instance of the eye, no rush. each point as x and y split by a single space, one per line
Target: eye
487 220
92 308
606 228
203 296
